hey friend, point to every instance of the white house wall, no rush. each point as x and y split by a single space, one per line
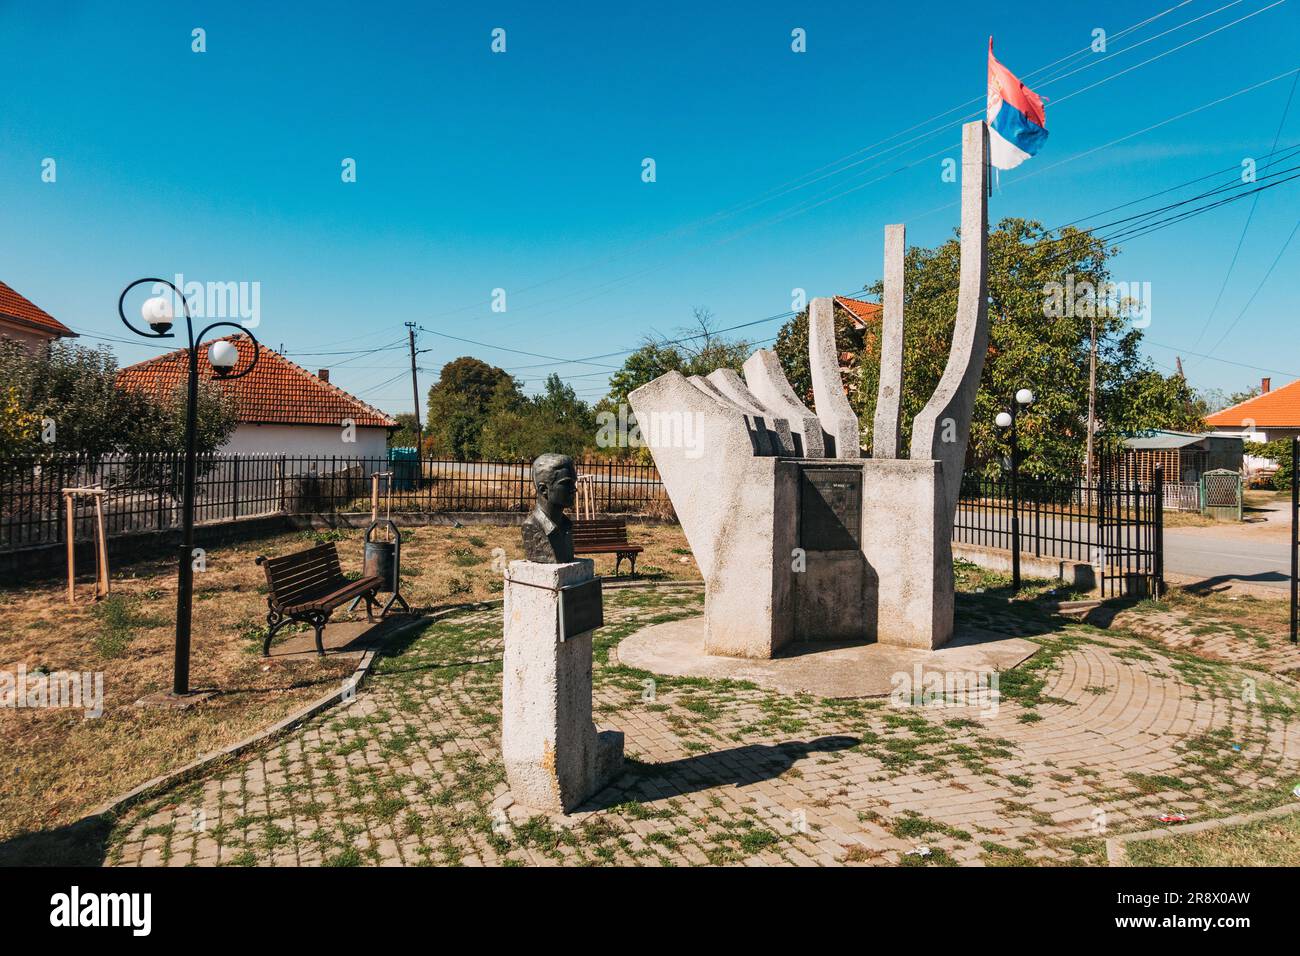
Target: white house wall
306 440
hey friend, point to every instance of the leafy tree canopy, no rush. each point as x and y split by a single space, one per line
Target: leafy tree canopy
69 392
1038 339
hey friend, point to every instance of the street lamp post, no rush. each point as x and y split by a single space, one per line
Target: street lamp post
223 356
1007 419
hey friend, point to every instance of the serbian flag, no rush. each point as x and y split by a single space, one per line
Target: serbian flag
1016 119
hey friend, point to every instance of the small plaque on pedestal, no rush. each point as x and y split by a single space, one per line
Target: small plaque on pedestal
582 608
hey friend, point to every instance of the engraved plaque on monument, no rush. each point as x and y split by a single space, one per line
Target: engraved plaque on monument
830 509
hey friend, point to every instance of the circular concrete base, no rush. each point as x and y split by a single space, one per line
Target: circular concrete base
676 649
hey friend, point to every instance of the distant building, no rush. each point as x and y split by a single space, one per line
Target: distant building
282 408
21 320
1270 415
1183 456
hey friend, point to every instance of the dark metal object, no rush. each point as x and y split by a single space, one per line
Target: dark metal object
1015 500
383 560
582 608
547 532
830 508
185 588
1115 526
1295 533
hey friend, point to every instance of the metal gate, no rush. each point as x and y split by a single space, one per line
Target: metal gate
1129 561
1221 494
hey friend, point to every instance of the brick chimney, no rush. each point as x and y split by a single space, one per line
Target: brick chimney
1264 385
324 376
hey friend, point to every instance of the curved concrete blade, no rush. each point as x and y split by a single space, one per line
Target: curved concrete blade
837 418
767 383
758 433
884 432
942 428
733 387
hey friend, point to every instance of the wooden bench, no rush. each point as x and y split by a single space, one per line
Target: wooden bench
307 586
605 536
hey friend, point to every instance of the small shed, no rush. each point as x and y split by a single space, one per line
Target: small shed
1184 456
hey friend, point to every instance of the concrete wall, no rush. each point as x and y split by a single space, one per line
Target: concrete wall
1075 573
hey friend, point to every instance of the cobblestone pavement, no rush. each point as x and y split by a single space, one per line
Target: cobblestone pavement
1215 639
1098 733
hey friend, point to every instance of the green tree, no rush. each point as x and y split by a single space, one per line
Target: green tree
406 435
1045 289
75 389
519 428
459 404
1279 451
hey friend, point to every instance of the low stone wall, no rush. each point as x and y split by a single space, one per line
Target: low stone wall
1075 573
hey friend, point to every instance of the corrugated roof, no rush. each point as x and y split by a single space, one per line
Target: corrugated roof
277 392
1161 440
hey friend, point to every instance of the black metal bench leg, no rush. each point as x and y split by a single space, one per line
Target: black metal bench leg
320 630
276 622
632 559
370 606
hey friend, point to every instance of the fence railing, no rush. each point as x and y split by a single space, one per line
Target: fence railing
1115 526
143 491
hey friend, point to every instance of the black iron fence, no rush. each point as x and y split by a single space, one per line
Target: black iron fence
142 492
1115 524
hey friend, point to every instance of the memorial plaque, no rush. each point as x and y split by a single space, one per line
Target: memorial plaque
830 509
582 608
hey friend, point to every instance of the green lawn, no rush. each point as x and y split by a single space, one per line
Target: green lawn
1274 842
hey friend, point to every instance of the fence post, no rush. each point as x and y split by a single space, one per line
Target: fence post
234 504
1295 531
1158 545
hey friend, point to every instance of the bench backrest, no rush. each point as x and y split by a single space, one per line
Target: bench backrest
303 575
601 531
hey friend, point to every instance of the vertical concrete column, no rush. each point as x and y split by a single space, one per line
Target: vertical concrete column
941 430
554 757
884 433
833 409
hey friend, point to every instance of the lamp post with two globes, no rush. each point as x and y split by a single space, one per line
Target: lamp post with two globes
1007 419
223 355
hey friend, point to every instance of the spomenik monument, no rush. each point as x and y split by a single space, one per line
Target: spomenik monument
799 537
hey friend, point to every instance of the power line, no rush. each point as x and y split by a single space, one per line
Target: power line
1249 217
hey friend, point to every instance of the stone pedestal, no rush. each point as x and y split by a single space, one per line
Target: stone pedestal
554 756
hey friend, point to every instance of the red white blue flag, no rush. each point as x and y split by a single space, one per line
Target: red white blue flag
1016 119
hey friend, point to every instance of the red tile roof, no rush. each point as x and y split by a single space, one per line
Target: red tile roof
27 313
277 392
861 313
1279 408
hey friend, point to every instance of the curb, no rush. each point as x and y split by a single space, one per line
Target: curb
1116 855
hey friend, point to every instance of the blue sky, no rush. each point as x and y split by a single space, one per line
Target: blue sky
522 170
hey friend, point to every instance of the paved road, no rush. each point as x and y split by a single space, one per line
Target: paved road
1256 553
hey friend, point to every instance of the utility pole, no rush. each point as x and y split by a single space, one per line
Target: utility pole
415 387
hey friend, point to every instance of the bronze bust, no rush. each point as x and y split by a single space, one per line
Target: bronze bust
548 535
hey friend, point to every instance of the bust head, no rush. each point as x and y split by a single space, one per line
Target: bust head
556 479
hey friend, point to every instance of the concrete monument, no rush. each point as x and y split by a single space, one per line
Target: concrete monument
799 537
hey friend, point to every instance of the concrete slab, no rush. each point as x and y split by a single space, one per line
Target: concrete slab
341 638
823 668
